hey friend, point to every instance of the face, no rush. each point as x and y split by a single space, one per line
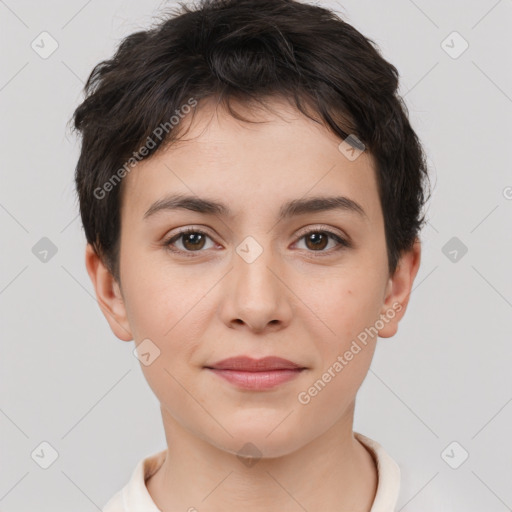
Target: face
265 272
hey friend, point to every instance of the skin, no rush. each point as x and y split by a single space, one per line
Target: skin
288 303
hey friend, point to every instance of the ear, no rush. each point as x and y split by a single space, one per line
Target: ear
398 290
108 294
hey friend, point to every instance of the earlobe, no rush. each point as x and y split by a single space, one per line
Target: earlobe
399 289
108 295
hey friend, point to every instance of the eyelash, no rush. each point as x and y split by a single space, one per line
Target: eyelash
342 243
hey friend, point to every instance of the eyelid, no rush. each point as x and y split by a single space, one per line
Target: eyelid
188 229
320 227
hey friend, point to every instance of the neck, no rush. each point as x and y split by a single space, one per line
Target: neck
334 472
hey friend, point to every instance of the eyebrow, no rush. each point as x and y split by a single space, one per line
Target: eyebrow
287 210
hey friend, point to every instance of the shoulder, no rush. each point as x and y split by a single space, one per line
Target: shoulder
134 496
115 504
388 472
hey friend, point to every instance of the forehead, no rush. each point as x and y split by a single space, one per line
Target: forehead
282 155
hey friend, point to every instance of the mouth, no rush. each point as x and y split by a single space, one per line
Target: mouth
256 374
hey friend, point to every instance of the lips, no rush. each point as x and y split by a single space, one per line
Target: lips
247 364
256 374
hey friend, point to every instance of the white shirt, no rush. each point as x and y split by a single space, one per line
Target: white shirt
134 496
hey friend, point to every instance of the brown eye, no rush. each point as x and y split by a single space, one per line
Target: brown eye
191 240
317 240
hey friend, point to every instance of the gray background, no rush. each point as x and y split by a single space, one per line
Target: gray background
444 378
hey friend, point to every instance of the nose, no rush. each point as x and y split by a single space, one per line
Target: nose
256 296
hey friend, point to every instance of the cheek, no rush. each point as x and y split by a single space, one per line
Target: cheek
151 307
160 311
155 294
163 305
347 303
349 306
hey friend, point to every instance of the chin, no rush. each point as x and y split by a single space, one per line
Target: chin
262 439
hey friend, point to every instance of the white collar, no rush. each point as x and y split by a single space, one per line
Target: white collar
134 496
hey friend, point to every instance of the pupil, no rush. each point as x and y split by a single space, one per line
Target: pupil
189 240
318 240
